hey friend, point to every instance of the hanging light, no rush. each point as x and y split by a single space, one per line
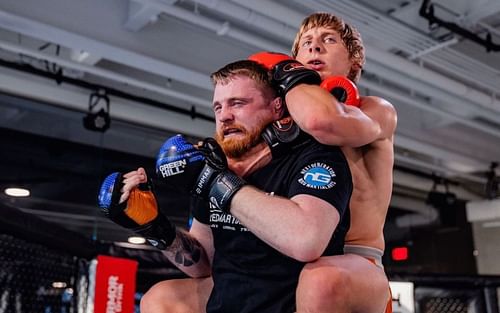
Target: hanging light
98 120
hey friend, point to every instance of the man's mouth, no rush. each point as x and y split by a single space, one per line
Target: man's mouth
315 64
231 131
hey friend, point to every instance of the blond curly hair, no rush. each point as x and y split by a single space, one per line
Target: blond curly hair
349 35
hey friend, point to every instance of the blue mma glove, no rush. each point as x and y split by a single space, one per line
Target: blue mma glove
179 163
139 212
202 171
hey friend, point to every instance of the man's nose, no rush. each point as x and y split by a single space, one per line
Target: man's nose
315 47
225 115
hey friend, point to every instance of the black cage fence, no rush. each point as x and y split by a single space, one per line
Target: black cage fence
34 278
43 268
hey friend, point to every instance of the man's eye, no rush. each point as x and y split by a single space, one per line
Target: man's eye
306 43
330 39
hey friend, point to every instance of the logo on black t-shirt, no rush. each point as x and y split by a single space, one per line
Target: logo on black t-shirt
226 221
317 176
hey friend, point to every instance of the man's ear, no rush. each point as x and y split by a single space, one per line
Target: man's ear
278 107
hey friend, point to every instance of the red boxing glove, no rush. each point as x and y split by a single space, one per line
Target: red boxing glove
286 72
269 59
343 89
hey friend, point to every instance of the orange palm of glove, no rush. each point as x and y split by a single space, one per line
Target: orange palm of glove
141 206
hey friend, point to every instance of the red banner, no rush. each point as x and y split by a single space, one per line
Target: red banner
114 285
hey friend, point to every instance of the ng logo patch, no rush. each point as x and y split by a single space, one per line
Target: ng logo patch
317 176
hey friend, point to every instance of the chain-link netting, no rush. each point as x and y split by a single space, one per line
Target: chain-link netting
34 278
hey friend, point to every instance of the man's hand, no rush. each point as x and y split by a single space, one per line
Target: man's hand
128 200
284 135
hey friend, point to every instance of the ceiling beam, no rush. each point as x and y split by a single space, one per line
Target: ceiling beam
223 28
127 80
479 11
140 15
77 99
78 42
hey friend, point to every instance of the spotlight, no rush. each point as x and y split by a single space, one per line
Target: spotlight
97 120
440 199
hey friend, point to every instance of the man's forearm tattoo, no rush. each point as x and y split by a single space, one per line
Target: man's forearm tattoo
185 250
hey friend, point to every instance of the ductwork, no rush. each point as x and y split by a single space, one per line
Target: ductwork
434 79
251 17
450 100
105 74
423 213
220 28
71 40
427 11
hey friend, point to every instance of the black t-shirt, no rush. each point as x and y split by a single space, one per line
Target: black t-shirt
251 276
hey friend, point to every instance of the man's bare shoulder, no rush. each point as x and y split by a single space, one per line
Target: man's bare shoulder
376 102
383 112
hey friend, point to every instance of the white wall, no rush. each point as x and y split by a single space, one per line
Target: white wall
487 244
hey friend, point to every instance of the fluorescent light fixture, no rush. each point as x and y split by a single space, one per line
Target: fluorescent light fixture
17 192
136 240
491 224
59 284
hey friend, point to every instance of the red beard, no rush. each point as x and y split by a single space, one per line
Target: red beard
236 147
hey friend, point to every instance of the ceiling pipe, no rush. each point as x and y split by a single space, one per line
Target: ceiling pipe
421 185
52 34
462 163
106 74
480 11
77 100
452 100
439 46
427 11
470 70
401 98
422 215
432 78
251 17
220 28
272 10
440 169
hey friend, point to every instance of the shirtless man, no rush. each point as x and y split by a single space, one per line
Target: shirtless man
354 282
349 283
